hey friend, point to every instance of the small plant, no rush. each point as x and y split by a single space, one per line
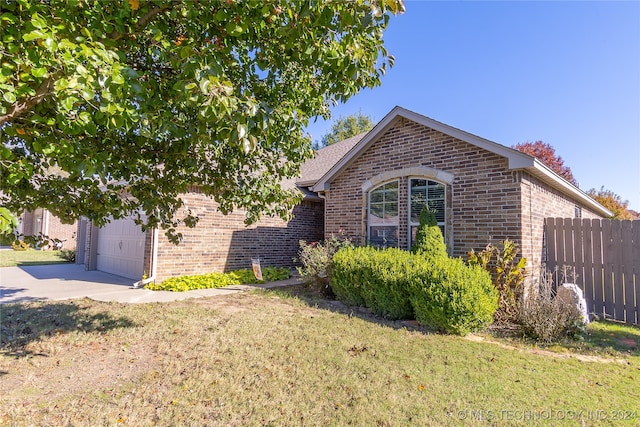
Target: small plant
429 239
317 262
20 245
548 319
508 274
68 255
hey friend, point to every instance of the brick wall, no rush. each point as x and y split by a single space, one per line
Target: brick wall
483 202
540 201
223 243
41 221
65 232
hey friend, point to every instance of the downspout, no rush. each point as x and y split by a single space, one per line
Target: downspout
154 259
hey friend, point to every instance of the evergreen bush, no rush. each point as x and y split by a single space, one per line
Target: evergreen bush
453 297
429 240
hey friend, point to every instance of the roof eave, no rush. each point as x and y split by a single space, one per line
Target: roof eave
544 173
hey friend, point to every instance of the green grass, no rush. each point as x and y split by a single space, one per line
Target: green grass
278 358
10 258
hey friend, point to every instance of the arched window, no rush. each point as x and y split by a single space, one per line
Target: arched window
383 215
424 192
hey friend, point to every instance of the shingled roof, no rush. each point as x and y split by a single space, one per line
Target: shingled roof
314 169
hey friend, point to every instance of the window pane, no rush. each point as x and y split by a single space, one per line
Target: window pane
423 192
376 196
376 210
436 191
391 195
384 236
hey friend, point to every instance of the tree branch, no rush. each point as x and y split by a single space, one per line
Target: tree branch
141 23
21 107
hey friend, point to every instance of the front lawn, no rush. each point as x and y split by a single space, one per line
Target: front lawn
10 258
273 358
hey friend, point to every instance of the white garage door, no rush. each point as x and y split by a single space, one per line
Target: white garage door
121 249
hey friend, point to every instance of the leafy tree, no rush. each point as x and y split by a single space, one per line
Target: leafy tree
547 155
611 201
346 127
115 107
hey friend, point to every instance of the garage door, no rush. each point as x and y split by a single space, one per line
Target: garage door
121 249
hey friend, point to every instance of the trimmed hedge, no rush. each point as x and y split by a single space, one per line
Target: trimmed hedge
454 298
376 278
442 292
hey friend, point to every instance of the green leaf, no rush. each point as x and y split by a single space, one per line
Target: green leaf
7 17
10 97
33 35
39 72
38 21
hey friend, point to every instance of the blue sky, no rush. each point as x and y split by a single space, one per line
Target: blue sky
566 73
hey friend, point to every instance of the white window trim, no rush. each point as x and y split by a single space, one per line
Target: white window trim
370 190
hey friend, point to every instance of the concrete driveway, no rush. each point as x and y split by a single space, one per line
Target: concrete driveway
70 281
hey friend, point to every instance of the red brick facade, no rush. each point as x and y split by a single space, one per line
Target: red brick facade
42 221
486 201
223 242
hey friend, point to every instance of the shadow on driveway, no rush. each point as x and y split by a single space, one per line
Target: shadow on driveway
57 282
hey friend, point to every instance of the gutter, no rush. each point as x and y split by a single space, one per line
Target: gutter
154 259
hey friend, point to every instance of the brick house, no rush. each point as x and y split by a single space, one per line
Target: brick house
41 221
481 191
371 186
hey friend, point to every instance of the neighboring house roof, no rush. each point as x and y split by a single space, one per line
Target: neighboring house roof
356 145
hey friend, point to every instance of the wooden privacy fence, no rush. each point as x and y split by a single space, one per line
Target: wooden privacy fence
604 255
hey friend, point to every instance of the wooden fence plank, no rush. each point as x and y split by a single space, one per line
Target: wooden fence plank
569 261
587 253
598 267
627 272
609 300
561 260
615 250
578 253
636 265
550 235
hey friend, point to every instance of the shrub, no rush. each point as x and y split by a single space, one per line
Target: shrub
429 240
317 262
379 279
386 289
376 278
453 297
547 319
219 280
20 245
508 276
68 255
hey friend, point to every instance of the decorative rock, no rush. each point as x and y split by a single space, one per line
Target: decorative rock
571 293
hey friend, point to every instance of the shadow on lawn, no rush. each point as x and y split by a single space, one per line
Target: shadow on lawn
602 336
612 337
316 299
21 324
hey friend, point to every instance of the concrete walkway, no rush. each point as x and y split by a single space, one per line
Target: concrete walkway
68 281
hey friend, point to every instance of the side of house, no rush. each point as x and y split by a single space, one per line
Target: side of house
218 242
41 221
372 188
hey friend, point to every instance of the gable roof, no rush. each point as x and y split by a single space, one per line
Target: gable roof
516 159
